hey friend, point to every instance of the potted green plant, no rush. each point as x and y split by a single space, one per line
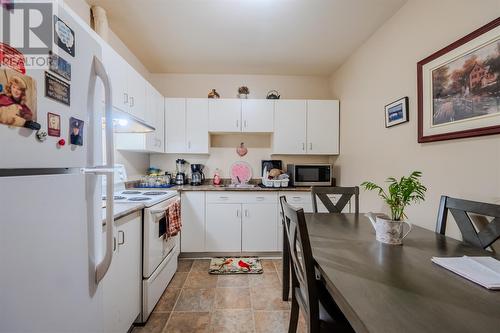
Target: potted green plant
399 195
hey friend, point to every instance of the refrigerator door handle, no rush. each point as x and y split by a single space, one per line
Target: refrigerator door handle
97 171
98 71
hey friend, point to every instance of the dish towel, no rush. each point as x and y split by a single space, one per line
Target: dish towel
174 218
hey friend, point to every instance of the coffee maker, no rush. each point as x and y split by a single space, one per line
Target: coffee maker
197 176
180 177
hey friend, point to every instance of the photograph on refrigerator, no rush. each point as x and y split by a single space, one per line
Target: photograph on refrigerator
76 131
18 105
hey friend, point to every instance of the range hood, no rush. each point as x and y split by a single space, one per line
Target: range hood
127 123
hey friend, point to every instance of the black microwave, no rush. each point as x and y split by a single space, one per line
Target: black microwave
310 174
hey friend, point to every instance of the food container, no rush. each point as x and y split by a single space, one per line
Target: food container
275 182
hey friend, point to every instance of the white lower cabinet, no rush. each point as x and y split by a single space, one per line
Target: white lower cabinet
193 222
258 227
229 222
223 231
122 283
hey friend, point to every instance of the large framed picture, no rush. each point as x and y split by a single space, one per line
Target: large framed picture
396 112
459 88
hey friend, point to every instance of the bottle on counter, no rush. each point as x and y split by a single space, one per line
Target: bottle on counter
217 180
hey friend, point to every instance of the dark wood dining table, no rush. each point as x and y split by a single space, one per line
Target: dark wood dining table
390 288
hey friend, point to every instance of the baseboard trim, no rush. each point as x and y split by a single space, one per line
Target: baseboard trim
208 255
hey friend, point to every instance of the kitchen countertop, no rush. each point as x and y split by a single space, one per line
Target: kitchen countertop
121 210
227 188
207 186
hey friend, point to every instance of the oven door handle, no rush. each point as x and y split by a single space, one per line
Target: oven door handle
158 211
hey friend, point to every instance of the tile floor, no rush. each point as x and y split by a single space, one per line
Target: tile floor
198 302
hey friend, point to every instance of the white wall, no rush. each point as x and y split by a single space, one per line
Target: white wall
382 70
223 151
198 85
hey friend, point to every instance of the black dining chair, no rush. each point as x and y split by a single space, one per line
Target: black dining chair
285 257
346 194
309 293
462 211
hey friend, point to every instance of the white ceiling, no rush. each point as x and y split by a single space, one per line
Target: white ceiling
288 37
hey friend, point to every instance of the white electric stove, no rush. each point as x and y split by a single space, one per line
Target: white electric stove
146 197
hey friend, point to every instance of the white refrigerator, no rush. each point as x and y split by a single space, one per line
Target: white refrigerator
54 248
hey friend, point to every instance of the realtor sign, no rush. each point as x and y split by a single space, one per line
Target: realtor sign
27 30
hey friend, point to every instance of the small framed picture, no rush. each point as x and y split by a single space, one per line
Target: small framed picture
396 112
53 124
76 131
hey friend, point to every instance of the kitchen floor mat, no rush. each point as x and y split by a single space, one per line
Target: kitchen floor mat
235 265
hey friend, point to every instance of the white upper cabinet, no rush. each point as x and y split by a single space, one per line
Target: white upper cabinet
257 115
186 122
322 127
155 116
224 115
306 127
290 127
197 139
116 70
128 86
241 115
175 125
137 94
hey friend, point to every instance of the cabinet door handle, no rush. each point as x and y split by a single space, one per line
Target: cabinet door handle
237 124
303 146
246 212
245 124
310 146
296 198
237 213
189 144
259 198
125 98
223 198
114 244
123 237
132 101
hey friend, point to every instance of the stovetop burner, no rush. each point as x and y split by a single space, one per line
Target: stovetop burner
116 197
139 199
154 193
131 192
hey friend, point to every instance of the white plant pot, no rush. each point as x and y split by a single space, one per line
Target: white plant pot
388 231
